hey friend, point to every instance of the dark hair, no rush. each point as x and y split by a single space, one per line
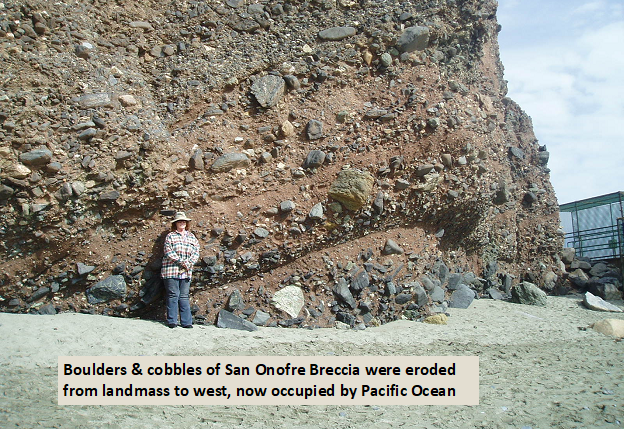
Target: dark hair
188 225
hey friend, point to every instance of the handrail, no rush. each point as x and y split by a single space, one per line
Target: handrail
597 243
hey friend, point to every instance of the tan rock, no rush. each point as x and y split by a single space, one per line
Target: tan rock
611 327
287 129
437 319
352 188
290 299
18 171
127 100
5 151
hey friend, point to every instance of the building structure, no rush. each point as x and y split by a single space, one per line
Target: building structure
595 226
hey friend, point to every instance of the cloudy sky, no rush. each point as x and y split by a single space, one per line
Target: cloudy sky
564 61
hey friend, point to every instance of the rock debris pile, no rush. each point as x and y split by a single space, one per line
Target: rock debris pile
343 161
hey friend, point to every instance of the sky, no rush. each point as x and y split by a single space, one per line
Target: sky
564 63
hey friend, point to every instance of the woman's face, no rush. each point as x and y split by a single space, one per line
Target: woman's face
181 225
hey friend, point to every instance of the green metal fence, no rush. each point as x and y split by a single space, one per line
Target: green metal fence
597 226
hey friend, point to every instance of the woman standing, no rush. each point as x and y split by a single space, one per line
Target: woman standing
180 254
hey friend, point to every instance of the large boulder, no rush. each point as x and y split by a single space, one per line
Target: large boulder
529 294
462 297
598 304
225 319
567 255
290 299
112 287
611 327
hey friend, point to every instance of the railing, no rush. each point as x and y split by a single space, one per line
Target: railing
598 243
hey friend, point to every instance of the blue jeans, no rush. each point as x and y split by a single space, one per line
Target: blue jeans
177 295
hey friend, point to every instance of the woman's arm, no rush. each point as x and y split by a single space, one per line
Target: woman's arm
170 252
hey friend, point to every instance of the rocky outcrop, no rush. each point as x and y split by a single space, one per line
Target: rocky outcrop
299 159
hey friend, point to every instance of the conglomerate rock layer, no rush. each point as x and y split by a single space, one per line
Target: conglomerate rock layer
362 151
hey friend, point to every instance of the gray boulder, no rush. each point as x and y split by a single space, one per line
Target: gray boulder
403 298
39 293
235 301
197 160
341 290
528 293
462 297
454 281
316 212
112 287
36 157
292 81
598 304
420 295
495 293
315 159
228 161
392 248
413 39
599 270
92 101
225 319
567 255
110 195
314 130
260 318
437 295
360 281
48 310
606 291
287 206
5 192
84 269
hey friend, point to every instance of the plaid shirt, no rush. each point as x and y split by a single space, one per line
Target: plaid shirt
179 248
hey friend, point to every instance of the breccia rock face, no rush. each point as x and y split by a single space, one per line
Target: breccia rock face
111 123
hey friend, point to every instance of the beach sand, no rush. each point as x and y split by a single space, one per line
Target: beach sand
537 369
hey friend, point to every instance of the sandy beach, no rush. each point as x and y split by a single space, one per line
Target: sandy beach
539 368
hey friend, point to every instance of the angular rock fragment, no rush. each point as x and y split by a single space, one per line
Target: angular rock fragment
268 90
413 39
392 248
225 319
314 159
112 287
462 297
289 299
598 304
529 294
352 188
314 129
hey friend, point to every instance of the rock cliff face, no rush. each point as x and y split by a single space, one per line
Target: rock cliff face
362 151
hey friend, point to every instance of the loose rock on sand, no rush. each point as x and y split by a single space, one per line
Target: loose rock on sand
537 369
